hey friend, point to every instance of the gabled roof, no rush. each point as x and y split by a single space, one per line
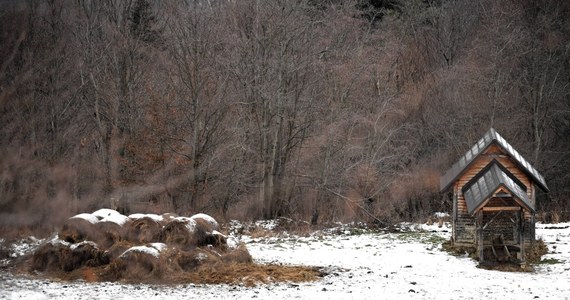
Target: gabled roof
491 137
489 182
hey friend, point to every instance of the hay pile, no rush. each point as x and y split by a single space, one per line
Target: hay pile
108 246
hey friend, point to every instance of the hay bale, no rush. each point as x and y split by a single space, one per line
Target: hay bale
189 233
238 255
137 263
50 257
183 232
57 255
79 228
88 254
178 232
108 233
143 230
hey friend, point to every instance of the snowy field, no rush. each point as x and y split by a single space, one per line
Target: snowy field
361 265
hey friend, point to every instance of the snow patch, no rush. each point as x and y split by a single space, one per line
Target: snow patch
142 249
75 246
369 265
153 249
215 232
440 214
105 212
87 217
154 217
201 256
117 219
206 218
158 246
55 241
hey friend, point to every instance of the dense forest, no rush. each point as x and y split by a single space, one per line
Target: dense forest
322 111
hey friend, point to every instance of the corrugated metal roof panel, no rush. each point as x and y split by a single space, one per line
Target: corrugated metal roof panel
477 193
490 137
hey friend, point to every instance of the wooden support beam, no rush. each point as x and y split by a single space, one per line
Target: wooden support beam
501 208
521 236
479 225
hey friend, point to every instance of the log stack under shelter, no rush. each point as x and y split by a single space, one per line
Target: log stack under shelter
494 200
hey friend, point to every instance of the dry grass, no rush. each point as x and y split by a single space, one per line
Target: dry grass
534 253
248 274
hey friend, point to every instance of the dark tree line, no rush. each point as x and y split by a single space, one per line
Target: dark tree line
317 110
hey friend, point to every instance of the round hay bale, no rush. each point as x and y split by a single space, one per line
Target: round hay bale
79 228
180 232
188 233
50 257
88 254
208 219
109 233
190 260
143 230
238 255
58 255
140 263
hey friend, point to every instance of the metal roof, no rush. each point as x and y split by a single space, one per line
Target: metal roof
488 139
487 184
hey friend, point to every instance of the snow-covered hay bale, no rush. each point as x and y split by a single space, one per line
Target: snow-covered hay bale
79 228
50 257
143 230
180 232
57 255
137 263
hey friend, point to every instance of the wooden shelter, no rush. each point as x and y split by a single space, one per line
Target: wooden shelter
494 199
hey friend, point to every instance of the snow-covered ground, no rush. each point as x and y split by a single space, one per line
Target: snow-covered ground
361 266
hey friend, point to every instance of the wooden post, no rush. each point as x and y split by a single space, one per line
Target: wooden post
521 236
454 221
480 244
